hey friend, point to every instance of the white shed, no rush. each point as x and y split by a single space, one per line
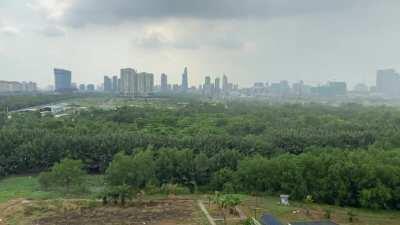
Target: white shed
284 199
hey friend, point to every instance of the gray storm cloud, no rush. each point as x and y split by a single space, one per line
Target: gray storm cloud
116 11
250 40
190 41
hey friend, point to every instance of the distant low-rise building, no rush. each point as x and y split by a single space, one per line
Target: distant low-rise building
388 83
361 88
90 87
82 87
280 89
332 89
54 109
175 87
338 88
14 86
298 89
29 86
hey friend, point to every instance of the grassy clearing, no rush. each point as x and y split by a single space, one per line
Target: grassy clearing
28 187
22 187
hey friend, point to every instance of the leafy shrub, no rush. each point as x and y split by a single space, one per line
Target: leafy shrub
229 188
117 194
46 180
174 189
152 189
66 176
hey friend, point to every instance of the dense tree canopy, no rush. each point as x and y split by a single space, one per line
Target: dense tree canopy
337 154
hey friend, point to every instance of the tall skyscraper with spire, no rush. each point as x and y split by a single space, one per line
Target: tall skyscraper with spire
185 82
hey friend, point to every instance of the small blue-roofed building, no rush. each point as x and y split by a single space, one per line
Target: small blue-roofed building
327 222
268 219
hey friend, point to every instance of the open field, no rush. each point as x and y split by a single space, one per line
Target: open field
22 202
22 187
89 212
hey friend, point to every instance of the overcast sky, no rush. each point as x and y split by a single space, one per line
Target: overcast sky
249 40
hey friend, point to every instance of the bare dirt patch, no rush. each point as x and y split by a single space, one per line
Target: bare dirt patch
66 212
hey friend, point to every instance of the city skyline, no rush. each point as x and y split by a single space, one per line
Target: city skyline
185 77
178 79
251 40
132 83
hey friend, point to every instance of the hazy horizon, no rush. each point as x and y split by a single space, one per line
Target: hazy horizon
252 40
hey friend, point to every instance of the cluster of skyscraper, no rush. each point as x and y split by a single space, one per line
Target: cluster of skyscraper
215 89
209 88
130 83
133 84
184 87
14 86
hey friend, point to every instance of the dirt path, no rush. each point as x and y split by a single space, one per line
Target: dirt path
209 217
241 213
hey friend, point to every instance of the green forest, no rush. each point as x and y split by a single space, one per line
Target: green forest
344 155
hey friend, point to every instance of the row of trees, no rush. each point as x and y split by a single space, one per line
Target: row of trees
361 178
